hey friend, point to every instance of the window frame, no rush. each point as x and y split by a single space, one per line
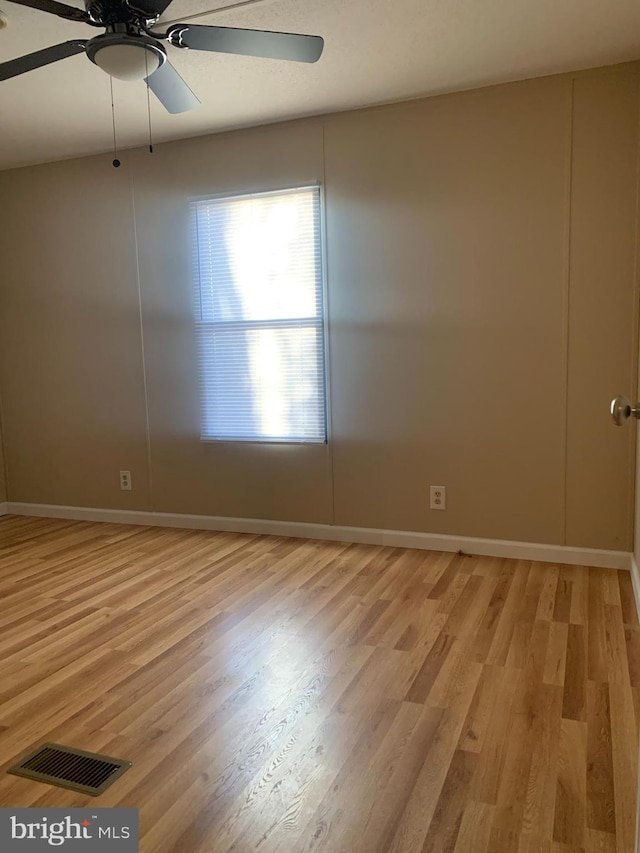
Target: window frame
322 324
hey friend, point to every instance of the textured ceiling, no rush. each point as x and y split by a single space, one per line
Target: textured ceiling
376 51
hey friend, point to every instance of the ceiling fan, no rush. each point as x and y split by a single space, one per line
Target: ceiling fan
131 50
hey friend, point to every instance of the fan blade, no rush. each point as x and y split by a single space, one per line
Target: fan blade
298 48
41 57
171 90
59 9
150 8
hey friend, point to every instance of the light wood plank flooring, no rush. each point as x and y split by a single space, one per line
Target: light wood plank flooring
286 695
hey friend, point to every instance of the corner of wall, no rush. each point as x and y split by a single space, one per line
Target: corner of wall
3 467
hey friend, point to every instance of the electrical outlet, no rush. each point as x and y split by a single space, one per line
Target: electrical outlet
437 497
125 481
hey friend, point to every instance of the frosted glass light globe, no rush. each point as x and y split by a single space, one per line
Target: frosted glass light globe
127 61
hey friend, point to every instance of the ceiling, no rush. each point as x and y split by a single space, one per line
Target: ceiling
376 51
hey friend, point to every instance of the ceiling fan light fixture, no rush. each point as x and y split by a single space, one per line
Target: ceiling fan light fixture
126 57
130 50
126 62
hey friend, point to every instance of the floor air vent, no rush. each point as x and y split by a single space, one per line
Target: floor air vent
75 769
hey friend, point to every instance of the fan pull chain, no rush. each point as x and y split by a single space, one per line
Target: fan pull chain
146 80
116 162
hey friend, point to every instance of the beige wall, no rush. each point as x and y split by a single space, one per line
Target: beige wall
636 554
3 485
3 473
72 383
446 228
603 306
481 294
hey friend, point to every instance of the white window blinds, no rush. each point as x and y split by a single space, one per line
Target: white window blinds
261 324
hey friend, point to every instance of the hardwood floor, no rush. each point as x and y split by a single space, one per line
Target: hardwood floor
286 695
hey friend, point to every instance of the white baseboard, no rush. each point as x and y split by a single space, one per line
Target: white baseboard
4 508
635 580
367 535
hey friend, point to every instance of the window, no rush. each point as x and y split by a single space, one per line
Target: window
261 318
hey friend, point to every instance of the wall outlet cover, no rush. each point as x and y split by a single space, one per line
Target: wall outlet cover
437 497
